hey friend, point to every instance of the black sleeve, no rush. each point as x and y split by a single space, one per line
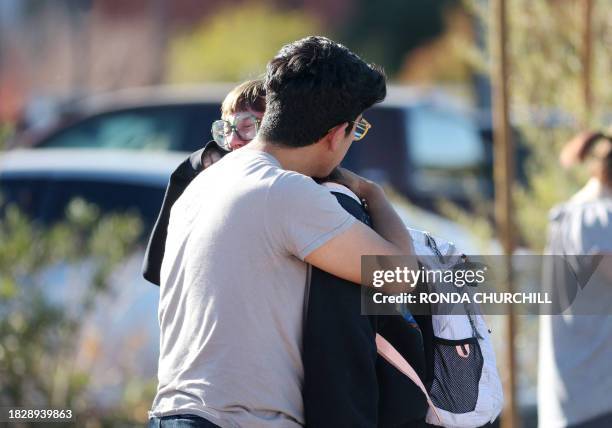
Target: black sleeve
179 180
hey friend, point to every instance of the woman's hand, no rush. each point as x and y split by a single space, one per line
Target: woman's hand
209 157
358 185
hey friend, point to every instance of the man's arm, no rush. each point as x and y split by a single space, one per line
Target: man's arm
341 255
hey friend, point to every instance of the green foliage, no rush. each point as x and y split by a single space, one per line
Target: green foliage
545 49
39 335
385 31
546 97
236 43
5 132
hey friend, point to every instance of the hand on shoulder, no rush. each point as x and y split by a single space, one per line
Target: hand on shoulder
360 186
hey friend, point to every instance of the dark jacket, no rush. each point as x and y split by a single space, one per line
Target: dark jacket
346 384
179 180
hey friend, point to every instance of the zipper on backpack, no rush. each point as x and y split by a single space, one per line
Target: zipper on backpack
434 247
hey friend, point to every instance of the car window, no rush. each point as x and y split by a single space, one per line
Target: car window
180 127
446 152
45 199
381 155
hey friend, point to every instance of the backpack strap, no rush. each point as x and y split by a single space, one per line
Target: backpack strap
306 293
389 353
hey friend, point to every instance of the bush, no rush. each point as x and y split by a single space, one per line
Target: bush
39 331
236 43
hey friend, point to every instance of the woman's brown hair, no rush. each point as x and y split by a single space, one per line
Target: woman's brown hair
250 95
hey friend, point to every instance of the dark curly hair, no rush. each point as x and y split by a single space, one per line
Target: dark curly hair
314 84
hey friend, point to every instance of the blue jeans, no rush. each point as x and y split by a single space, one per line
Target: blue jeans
180 421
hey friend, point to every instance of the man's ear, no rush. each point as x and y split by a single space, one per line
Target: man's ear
336 136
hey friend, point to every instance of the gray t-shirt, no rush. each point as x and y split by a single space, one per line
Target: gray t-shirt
232 291
574 383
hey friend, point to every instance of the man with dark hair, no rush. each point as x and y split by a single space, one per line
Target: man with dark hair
235 264
312 86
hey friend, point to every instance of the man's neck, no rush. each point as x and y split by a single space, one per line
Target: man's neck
298 159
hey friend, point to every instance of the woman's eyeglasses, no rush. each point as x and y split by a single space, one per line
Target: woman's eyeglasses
245 127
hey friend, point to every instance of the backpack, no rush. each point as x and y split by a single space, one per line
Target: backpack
465 390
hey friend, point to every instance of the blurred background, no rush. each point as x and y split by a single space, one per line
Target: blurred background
101 99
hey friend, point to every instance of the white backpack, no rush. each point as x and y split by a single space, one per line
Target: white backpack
466 390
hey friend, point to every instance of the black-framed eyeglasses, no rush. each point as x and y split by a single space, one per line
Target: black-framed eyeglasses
362 128
244 125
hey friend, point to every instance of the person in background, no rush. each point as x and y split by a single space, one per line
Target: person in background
574 381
